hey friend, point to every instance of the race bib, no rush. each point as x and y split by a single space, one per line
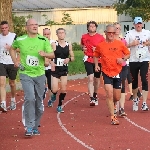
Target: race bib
117 76
6 53
60 62
141 52
32 61
85 58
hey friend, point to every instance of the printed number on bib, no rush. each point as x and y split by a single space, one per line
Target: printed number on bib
32 61
117 76
60 62
141 52
6 53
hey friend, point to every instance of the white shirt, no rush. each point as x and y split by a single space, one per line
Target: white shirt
138 53
5 57
49 67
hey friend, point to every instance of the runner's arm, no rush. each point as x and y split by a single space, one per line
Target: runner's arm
71 53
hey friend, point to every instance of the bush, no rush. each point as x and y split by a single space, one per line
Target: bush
76 46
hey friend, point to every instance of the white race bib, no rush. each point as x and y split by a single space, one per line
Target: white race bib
85 58
141 52
6 53
60 62
32 61
117 76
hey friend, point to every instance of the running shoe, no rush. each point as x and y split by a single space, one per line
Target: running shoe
3 108
60 110
122 112
50 103
114 121
135 104
29 132
36 132
92 101
12 105
145 107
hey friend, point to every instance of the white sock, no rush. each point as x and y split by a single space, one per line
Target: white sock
13 99
4 102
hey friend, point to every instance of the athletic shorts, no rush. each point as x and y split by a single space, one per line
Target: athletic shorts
48 76
8 70
90 69
60 71
115 82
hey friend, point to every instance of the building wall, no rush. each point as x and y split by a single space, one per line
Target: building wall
79 16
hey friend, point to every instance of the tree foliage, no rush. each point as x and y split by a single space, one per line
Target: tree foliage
134 8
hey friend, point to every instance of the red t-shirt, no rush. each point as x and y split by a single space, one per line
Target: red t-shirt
90 42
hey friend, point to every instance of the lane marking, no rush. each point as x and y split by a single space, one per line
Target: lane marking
65 129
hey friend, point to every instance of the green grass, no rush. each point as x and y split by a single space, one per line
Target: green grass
77 66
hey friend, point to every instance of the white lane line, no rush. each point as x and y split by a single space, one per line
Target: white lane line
138 126
68 132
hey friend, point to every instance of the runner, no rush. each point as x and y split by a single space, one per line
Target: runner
62 51
33 49
7 68
113 53
124 74
89 42
138 42
52 97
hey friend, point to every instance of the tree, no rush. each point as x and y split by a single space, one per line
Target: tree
6 12
66 19
134 8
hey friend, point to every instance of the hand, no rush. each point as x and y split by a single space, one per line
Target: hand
42 53
93 48
66 61
7 47
97 68
120 60
53 66
135 43
146 43
16 64
84 48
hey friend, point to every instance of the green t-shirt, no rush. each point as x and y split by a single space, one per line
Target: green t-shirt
29 56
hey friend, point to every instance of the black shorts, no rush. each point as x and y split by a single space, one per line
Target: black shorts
90 69
124 72
48 76
8 70
60 71
115 82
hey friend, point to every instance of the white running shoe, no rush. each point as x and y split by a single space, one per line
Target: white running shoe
12 105
135 104
3 108
144 107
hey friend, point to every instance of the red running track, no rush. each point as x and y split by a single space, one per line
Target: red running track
81 127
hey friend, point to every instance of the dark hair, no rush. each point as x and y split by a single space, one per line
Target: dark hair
60 29
91 22
46 29
4 22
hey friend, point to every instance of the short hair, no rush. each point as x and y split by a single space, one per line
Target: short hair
3 22
91 22
60 29
110 25
117 23
46 29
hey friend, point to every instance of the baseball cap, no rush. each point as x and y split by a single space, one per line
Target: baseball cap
137 20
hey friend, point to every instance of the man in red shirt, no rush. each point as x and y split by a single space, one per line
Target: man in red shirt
89 41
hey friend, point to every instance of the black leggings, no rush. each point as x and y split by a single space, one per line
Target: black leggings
124 73
129 77
135 67
48 76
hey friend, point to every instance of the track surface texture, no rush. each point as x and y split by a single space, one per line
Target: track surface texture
81 127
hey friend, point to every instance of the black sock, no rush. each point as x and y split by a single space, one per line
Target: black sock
94 95
61 98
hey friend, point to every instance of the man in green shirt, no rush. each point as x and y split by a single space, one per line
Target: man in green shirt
34 48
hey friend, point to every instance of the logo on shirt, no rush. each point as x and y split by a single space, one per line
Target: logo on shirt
112 49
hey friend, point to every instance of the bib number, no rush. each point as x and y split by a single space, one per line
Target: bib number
117 76
60 62
32 61
141 53
6 53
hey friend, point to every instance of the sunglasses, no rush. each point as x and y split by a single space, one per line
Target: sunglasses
110 32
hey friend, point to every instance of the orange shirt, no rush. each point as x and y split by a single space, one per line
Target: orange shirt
109 52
